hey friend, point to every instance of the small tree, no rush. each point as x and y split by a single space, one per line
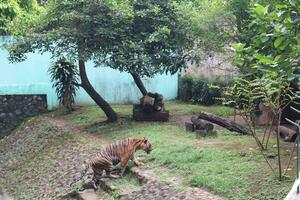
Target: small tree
64 75
269 62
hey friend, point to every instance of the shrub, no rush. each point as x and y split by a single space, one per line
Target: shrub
201 90
64 75
186 88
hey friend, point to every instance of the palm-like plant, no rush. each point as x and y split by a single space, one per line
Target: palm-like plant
64 75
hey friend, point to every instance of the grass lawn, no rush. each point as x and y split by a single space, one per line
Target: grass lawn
227 164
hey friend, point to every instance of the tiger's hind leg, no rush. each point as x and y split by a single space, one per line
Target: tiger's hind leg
109 174
96 178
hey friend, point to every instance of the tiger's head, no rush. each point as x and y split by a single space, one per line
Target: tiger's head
145 145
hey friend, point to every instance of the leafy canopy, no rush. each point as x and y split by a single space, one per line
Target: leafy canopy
142 36
17 14
154 40
67 26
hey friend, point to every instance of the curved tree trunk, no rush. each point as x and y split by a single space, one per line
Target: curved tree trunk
139 83
109 112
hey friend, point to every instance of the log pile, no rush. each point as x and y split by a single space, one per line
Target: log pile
150 108
201 127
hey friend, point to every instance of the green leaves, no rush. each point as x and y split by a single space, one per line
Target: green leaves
17 14
272 46
268 59
238 47
64 75
154 41
279 41
261 11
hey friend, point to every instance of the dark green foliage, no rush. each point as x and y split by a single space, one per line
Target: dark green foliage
270 61
200 90
185 88
142 37
64 75
154 40
69 26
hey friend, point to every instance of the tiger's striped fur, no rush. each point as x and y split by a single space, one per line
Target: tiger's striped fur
121 151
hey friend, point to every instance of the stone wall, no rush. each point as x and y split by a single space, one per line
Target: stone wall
212 66
14 108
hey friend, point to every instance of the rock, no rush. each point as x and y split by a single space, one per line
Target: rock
88 195
189 126
2 115
13 108
18 112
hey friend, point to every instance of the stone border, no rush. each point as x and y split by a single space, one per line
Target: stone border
14 108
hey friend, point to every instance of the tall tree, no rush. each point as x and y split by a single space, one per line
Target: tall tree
79 30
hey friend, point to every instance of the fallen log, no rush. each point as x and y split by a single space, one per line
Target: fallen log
228 124
202 124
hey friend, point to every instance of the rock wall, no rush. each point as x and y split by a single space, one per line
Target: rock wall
14 108
212 66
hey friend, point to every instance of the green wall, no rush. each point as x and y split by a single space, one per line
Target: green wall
31 77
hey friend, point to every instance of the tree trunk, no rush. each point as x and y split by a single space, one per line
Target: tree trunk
109 112
228 124
139 83
278 145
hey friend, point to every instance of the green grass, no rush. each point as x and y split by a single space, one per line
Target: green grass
214 163
88 115
182 108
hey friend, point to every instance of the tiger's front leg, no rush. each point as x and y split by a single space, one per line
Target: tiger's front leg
124 163
135 161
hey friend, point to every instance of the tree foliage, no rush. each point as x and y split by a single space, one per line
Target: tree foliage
207 22
275 40
154 40
16 15
68 24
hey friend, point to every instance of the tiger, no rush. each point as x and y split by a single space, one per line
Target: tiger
120 152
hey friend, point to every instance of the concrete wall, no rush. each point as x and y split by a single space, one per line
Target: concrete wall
31 77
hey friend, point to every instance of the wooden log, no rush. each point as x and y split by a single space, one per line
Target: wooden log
202 124
162 116
287 134
228 124
189 126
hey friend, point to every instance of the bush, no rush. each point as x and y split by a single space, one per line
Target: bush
200 90
186 88
64 75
